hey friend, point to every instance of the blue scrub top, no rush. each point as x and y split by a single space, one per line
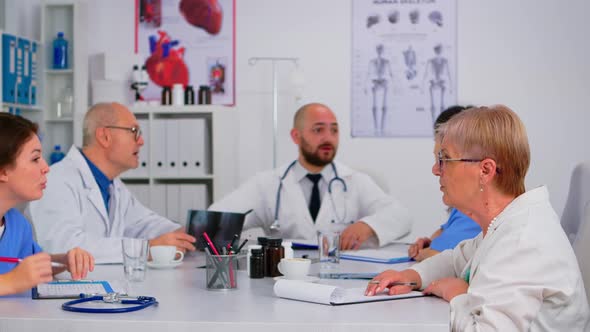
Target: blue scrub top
17 240
459 227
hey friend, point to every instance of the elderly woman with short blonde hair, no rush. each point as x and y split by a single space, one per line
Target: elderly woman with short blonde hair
520 273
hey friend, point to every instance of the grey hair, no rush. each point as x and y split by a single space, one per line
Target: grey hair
99 115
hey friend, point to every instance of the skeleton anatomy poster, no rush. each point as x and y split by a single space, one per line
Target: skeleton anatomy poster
404 65
188 42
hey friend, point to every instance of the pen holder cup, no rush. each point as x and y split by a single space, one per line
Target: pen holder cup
222 272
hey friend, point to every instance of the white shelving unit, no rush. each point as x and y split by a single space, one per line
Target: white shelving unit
69 17
169 179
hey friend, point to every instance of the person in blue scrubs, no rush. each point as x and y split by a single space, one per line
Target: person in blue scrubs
22 179
458 227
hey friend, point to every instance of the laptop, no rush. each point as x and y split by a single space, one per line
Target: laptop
220 226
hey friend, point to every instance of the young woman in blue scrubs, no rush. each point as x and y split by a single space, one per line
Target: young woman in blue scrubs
458 227
22 179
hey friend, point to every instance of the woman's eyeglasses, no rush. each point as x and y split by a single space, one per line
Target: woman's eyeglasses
441 160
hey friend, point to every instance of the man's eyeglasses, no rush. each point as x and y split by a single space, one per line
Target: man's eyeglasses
135 130
441 160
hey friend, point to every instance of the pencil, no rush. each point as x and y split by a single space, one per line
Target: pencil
18 260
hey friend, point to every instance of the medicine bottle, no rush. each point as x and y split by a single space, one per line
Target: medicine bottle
263 241
256 270
249 254
189 95
166 96
178 94
204 95
273 255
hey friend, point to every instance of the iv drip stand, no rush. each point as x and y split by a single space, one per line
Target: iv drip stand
275 97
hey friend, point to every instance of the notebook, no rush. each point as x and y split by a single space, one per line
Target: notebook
331 295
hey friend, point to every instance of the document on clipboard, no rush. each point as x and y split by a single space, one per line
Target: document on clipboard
332 295
70 289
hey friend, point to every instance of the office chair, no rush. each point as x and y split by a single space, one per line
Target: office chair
577 199
582 250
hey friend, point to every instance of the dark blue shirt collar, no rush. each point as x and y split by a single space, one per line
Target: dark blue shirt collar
101 179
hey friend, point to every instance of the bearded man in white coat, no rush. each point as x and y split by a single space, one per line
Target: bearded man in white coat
86 205
315 193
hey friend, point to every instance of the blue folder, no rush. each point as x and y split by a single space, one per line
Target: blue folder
393 260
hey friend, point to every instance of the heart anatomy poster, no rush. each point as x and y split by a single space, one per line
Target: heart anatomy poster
404 65
188 42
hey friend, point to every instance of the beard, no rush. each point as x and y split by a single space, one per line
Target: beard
316 157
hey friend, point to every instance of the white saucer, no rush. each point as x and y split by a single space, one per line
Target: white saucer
163 266
306 279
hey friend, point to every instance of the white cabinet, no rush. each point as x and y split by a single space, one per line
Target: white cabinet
188 159
65 90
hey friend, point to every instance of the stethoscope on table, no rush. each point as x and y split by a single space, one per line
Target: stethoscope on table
139 302
336 178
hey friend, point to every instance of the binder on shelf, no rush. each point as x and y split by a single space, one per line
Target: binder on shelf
19 72
192 197
173 202
158 199
34 67
144 152
141 191
172 148
142 167
24 48
9 68
158 144
194 141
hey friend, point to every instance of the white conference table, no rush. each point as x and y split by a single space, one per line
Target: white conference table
185 305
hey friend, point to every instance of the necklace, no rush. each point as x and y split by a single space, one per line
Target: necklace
491 224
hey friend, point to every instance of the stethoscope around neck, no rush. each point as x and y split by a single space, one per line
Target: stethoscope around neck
276 225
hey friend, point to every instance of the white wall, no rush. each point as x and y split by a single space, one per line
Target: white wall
531 55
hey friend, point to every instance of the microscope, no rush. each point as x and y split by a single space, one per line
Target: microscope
139 81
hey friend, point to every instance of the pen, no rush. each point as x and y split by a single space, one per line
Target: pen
396 283
241 246
233 241
206 236
18 260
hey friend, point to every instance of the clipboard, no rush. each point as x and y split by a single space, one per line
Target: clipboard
70 289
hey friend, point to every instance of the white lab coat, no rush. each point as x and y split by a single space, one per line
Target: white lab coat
72 213
524 275
364 200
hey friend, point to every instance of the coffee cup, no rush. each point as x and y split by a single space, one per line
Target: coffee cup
166 255
294 268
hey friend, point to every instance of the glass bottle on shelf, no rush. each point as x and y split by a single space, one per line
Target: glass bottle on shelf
64 105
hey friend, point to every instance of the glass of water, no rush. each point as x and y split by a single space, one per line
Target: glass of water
135 254
329 249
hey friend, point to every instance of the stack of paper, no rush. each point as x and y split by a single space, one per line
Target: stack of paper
331 295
